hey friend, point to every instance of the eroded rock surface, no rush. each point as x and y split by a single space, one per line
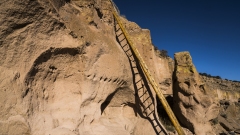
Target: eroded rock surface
223 88
64 72
192 101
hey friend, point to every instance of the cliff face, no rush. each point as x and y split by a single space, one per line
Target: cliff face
205 105
223 89
227 94
64 72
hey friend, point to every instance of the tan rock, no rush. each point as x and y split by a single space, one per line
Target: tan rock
63 71
222 88
193 107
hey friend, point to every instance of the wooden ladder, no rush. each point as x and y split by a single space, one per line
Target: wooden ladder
146 72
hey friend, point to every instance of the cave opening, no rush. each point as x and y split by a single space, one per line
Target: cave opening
162 114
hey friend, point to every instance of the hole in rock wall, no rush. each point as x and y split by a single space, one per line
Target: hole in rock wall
107 101
163 116
99 13
187 83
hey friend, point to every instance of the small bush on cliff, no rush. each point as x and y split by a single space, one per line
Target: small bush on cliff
161 53
205 74
217 77
164 53
208 75
235 81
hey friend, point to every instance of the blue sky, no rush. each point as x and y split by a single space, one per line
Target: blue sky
208 29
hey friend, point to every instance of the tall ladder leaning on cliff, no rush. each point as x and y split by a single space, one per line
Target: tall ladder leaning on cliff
147 73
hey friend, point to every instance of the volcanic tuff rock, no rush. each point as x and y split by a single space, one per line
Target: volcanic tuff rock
192 102
223 89
64 72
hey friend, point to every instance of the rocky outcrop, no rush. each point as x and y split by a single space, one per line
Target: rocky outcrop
64 72
193 105
227 93
228 118
223 89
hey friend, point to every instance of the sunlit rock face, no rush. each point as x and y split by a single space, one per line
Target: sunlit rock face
192 101
63 71
223 89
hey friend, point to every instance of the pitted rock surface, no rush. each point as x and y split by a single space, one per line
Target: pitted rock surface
192 104
62 70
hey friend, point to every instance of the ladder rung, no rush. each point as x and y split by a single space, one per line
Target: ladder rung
143 94
119 35
150 113
138 81
132 59
136 73
122 39
130 55
117 26
124 45
139 89
153 119
146 99
149 106
117 29
127 50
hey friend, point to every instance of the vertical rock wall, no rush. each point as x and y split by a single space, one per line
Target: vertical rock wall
63 71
